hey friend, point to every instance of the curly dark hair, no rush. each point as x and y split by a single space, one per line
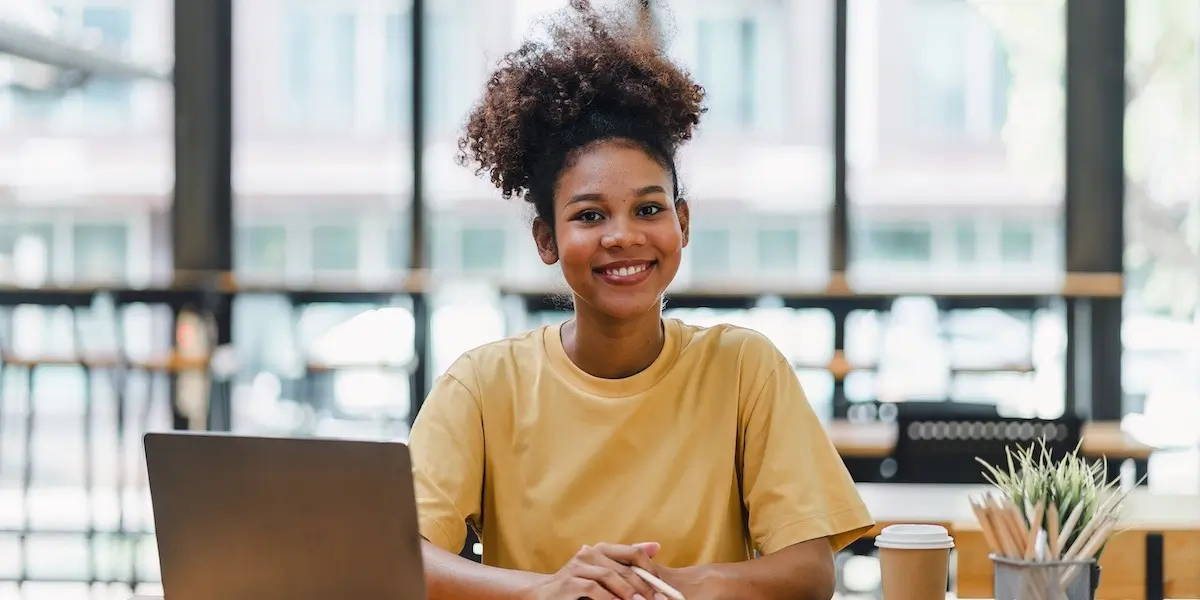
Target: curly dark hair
601 76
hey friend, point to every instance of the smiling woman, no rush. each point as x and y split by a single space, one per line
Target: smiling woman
583 419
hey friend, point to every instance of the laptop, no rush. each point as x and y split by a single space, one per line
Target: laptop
254 518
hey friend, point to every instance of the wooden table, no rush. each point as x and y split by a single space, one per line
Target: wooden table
1175 517
877 440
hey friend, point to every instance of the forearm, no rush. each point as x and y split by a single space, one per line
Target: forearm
450 576
800 572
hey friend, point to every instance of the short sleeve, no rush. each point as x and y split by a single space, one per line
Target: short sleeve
446 445
794 484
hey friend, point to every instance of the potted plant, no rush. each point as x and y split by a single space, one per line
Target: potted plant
1048 514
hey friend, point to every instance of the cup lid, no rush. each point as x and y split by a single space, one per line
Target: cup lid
914 537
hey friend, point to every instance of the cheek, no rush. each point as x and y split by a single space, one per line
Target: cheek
668 239
575 249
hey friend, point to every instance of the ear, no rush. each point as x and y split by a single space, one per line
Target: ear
684 213
543 236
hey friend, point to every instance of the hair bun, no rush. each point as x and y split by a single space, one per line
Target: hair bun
600 73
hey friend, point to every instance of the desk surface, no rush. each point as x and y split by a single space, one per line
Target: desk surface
876 440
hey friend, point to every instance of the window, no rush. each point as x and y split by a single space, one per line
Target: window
779 249
101 251
482 249
398 248
320 66
398 75
446 101
262 249
898 242
929 83
115 26
104 104
710 251
940 65
955 41
726 68
1016 241
966 241
335 248
1001 81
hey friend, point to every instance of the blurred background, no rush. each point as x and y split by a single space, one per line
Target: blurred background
246 216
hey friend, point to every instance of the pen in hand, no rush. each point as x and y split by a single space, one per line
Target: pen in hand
658 584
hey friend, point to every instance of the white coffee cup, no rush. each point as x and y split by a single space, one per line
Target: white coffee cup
914 561
914 537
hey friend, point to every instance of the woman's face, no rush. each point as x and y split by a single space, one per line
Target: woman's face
618 231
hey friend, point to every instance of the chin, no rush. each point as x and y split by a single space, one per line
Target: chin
627 308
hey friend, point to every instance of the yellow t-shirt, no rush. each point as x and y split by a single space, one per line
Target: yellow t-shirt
713 451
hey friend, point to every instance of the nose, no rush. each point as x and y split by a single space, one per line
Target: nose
623 232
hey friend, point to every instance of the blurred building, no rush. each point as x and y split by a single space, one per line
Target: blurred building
323 170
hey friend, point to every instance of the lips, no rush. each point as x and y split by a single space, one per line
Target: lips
626 272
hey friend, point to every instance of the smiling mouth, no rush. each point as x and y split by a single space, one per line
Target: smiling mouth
626 274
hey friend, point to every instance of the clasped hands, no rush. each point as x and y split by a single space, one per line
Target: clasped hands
602 572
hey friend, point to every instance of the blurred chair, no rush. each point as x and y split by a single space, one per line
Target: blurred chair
948 409
948 449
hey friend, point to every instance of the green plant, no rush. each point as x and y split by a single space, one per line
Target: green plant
1076 487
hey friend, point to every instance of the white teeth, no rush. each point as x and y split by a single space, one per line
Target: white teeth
625 271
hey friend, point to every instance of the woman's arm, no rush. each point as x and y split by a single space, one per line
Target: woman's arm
450 576
801 571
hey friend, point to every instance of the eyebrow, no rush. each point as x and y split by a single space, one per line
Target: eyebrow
596 197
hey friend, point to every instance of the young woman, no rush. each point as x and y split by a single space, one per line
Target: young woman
619 437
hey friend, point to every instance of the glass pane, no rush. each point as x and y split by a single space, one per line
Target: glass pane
101 251
322 120
900 241
778 249
955 134
760 158
335 248
114 26
64 102
482 249
398 76
320 62
728 50
709 252
1162 148
84 152
1016 241
966 241
262 250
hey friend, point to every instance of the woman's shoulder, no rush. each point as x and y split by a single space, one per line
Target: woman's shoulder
498 356
730 343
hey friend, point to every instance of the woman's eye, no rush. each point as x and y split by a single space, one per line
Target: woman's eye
649 210
589 216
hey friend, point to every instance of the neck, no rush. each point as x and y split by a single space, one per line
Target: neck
611 348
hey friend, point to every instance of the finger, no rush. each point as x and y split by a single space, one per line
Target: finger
609 580
640 586
589 589
650 548
628 555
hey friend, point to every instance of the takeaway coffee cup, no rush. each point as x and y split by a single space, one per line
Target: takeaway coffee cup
915 561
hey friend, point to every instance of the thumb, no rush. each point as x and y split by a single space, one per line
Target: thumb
650 548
